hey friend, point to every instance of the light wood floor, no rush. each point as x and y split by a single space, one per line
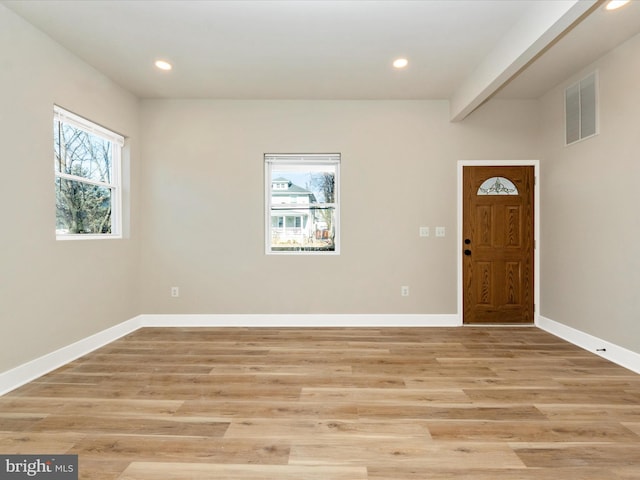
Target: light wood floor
334 404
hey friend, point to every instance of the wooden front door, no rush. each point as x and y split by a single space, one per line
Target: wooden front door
498 247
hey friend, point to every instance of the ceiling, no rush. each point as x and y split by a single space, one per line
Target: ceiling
313 49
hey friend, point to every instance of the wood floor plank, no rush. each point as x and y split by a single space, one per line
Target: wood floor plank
14 403
203 471
220 391
173 426
452 412
556 371
417 367
405 453
481 382
287 409
550 395
183 449
100 468
266 369
333 403
588 413
624 473
25 442
17 424
402 396
634 427
586 455
299 431
530 431
423 473
43 406
102 390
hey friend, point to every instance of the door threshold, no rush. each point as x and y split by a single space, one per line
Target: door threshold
497 325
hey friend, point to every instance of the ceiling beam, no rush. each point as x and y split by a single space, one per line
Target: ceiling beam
544 24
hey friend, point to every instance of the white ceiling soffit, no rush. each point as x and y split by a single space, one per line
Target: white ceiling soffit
595 36
532 35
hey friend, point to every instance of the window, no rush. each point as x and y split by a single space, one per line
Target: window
302 206
87 177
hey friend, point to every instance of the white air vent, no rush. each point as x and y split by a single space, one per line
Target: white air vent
581 112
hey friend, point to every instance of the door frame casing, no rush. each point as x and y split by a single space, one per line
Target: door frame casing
536 227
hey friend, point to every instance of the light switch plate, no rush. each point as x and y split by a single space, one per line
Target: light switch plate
424 231
439 231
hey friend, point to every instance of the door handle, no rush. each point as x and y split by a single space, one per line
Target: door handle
467 252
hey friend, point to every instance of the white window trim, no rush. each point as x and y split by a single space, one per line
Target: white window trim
296 159
60 114
64 116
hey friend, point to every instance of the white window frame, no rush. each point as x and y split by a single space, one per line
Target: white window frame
117 141
270 160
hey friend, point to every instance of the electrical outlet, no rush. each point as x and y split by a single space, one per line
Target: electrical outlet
439 231
424 231
175 291
404 291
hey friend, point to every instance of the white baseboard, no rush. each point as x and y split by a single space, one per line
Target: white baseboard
293 320
610 351
16 377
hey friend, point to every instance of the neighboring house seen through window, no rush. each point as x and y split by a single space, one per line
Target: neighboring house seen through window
302 205
87 173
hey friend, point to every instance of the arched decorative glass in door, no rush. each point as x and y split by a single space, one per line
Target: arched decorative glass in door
497 186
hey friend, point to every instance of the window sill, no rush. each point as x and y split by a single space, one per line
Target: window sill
88 237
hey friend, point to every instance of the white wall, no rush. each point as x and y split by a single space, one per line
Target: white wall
203 202
54 293
590 229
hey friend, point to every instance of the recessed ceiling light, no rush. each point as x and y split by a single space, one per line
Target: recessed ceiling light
163 65
400 62
615 4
